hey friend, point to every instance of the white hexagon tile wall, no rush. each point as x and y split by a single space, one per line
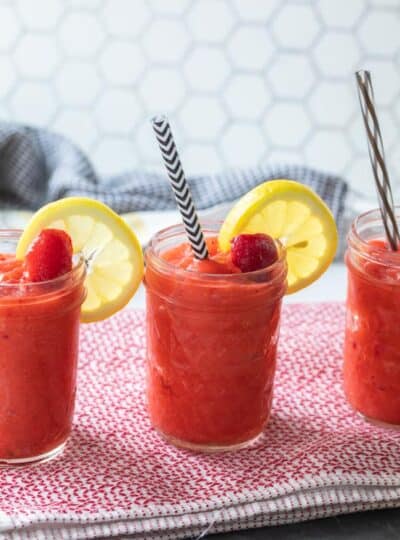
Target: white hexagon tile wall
243 81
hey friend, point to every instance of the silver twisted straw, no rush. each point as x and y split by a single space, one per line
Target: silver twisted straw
377 158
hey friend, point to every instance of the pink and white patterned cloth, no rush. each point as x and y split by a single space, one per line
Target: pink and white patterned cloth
118 478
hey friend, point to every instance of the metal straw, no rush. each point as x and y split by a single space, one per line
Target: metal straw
377 158
180 186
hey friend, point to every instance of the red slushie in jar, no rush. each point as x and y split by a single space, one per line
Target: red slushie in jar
39 330
45 292
372 352
212 334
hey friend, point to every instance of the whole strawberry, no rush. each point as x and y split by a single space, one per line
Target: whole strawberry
252 252
49 256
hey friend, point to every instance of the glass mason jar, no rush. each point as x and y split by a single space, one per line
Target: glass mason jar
372 346
211 348
39 331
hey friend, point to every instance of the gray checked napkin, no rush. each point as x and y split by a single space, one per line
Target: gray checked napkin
38 166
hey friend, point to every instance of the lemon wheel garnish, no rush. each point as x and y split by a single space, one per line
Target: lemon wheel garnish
292 213
110 247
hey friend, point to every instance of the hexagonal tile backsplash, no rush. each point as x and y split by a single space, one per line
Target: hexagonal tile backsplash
243 81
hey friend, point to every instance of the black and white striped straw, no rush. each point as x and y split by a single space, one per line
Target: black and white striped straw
377 158
180 186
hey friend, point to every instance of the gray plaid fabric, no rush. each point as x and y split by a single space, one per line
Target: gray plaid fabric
38 166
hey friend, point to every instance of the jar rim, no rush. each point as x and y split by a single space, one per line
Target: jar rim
78 271
207 226
355 240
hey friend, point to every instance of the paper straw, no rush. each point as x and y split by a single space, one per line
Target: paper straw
180 186
377 158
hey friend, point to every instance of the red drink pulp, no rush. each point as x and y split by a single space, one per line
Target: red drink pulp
372 351
39 329
212 335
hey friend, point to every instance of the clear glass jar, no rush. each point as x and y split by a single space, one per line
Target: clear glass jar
372 345
212 342
39 333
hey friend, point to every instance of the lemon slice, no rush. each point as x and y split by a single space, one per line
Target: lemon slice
110 247
295 215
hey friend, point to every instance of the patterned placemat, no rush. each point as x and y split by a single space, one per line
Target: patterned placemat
118 478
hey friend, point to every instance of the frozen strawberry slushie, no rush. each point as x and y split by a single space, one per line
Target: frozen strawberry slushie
45 293
212 332
372 353
39 328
